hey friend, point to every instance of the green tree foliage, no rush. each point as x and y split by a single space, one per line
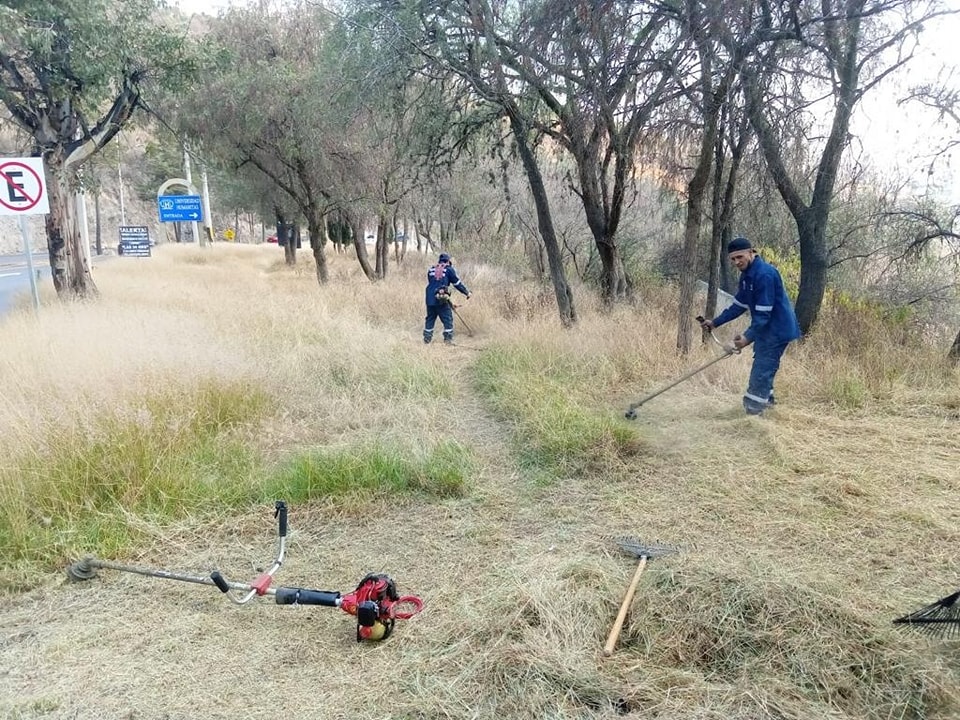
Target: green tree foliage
72 74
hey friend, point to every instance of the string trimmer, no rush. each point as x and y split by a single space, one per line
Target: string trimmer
728 350
375 602
462 321
444 295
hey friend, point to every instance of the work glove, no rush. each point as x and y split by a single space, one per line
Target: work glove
707 324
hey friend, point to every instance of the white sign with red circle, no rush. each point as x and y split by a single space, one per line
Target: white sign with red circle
23 190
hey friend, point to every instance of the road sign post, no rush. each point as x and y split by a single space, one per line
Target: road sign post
23 191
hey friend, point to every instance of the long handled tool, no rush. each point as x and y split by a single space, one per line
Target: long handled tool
728 350
941 618
375 602
631 413
644 552
462 321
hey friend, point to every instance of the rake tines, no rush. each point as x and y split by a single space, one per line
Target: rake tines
940 619
638 548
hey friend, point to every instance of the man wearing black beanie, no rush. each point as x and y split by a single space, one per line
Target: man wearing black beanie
773 323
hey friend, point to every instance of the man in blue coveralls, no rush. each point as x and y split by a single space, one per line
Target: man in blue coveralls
440 278
773 323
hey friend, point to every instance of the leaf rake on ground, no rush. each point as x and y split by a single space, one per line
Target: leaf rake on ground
940 619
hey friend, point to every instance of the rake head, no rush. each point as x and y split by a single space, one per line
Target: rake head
940 619
637 548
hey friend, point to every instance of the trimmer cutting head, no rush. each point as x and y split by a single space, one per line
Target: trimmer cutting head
81 570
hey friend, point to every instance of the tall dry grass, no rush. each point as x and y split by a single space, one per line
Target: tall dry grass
157 424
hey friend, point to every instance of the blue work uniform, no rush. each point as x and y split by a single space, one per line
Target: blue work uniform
773 326
440 278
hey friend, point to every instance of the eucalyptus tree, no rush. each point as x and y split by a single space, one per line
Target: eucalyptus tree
269 108
706 77
588 77
459 39
72 74
601 72
803 90
401 117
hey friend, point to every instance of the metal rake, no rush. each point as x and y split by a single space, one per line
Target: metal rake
644 552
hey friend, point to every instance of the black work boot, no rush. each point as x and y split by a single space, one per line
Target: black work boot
753 407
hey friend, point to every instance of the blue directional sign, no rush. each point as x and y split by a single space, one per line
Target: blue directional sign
180 208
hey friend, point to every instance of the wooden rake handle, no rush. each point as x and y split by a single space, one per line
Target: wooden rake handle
624 607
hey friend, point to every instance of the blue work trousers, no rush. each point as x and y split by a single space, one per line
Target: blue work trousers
766 362
444 311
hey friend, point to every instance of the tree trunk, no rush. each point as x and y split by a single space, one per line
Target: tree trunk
360 245
317 228
565 304
290 249
382 247
954 355
843 55
614 284
696 192
68 263
713 100
814 262
603 218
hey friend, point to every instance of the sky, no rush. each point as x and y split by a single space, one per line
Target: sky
902 137
210 7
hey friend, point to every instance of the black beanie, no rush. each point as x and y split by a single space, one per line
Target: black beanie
737 244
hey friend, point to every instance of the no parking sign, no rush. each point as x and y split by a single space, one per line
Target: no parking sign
23 190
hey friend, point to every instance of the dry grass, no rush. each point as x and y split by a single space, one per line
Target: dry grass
804 533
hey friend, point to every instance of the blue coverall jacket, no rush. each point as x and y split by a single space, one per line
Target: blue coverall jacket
447 278
773 325
439 280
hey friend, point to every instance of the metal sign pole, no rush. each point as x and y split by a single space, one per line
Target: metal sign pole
28 251
207 220
186 173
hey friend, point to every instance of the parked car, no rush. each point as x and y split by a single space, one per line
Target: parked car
272 238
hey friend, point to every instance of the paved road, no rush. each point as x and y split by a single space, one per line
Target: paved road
15 278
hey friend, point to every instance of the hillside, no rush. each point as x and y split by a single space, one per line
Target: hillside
158 425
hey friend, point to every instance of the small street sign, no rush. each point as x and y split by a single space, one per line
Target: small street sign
180 208
134 241
23 189
229 235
